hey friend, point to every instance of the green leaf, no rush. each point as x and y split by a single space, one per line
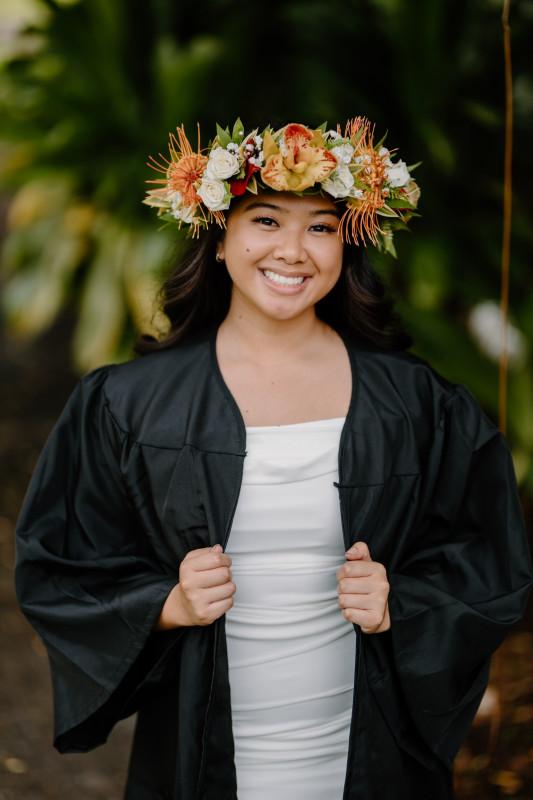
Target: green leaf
238 132
224 137
252 185
386 244
379 144
387 212
399 204
400 225
414 166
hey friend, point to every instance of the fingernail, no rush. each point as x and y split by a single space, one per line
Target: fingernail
353 551
217 548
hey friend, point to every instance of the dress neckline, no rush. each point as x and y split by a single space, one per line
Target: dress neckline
331 422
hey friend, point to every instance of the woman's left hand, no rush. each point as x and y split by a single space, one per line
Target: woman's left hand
363 590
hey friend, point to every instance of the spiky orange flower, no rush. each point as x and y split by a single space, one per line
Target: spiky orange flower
182 171
185 168
360 220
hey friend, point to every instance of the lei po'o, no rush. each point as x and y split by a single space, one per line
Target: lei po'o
198 186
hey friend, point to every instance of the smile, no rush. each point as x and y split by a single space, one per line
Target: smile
281 279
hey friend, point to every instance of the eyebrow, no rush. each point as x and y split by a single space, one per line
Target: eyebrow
274 207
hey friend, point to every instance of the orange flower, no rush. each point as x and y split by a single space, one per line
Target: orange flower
299 160
184 169
360 221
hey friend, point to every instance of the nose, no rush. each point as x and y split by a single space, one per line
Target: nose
289 248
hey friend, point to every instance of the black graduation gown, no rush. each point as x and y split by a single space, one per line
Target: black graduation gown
145 464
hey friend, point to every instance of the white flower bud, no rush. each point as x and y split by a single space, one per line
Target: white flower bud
397 175
339 183
343 153
384 153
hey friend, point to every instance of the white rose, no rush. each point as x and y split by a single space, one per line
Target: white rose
339 183
222 164
214 194
397 175
343 153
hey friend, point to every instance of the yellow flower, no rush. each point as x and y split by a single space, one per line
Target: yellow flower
298 162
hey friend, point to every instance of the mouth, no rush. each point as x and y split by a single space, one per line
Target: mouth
283 280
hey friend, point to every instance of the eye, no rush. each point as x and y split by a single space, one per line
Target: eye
324 227
269 222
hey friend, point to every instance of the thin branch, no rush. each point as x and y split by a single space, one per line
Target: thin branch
498 663
507 204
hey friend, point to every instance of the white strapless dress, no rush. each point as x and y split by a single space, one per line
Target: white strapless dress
291 652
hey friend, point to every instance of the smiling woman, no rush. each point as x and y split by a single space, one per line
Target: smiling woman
198 293
283 249
287 543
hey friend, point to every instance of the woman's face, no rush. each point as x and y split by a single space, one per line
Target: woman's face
283 253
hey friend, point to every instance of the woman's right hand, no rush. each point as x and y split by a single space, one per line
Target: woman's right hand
204 592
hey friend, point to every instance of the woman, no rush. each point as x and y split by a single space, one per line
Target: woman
199 515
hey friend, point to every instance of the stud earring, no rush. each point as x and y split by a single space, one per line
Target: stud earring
219 258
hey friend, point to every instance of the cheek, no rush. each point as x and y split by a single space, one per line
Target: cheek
333 261
240 248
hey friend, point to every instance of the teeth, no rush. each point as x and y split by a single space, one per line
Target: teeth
273 276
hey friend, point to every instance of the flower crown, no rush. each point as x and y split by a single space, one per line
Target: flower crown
198 186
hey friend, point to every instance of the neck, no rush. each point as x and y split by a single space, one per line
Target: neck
266 340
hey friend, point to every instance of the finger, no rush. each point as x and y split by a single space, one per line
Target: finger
361 602
216 610
359 551
212 611
197 603
217 593
362 586
369 621
202 551
199 560
208 577
361 569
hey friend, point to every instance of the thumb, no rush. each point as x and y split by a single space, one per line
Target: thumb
359 552
202 551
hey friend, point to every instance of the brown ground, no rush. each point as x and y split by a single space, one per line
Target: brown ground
35 383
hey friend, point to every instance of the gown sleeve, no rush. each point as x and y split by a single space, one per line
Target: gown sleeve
86 576
462 581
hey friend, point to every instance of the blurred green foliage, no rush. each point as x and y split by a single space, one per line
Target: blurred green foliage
90 88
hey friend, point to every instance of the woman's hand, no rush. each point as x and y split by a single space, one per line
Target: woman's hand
204 592
364 590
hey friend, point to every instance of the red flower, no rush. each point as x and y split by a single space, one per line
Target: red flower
239 185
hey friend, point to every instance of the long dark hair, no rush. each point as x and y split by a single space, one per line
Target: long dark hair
196 298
